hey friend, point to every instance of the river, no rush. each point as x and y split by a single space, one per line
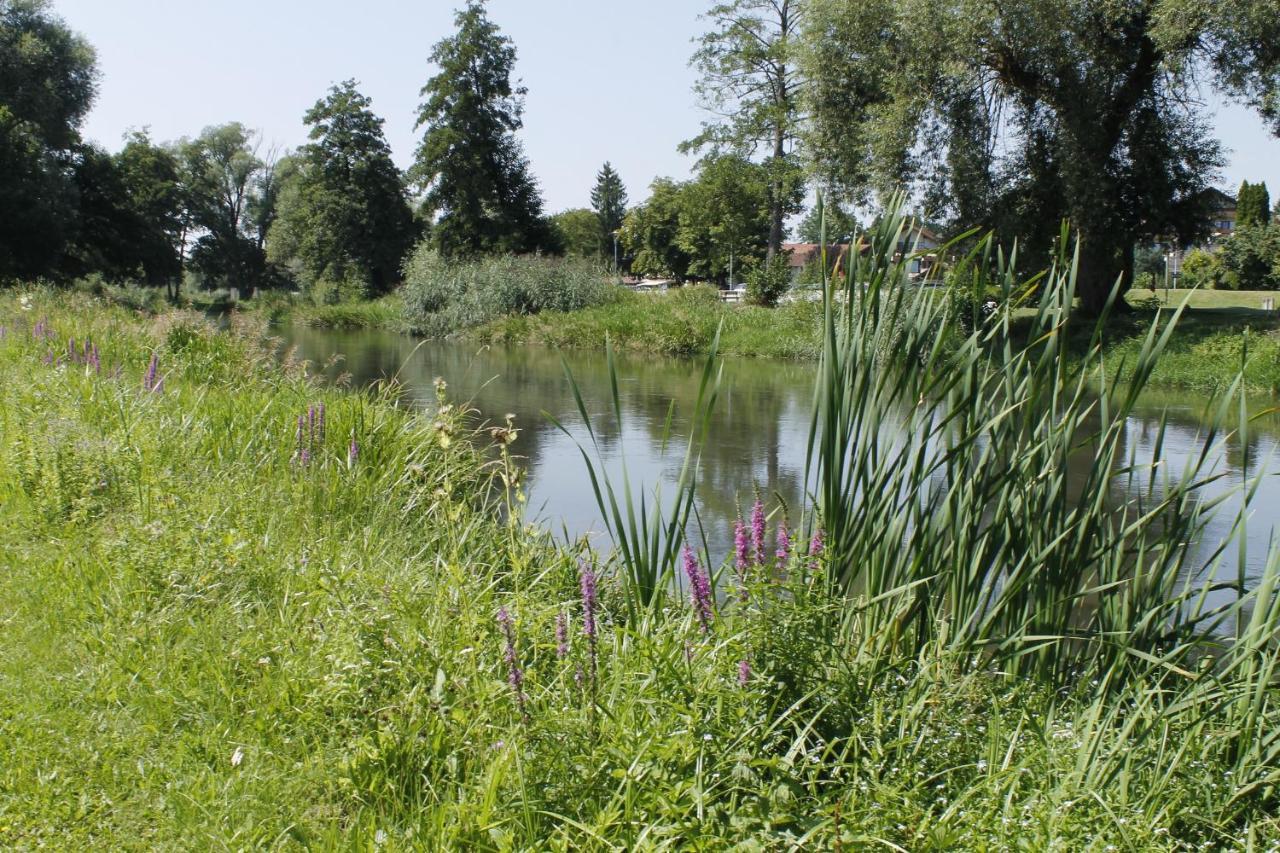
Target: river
758 435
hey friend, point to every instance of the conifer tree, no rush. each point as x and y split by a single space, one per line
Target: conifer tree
470 164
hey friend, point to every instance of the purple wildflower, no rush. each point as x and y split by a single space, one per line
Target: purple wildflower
515 676
562 635
305 457
757 532
311 426
744 672
784 543
353 453
815 544
71 350
699 590
95 359
300 447
320 416
149 382
4 333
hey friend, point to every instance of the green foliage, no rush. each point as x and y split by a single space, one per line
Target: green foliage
1201 268
579 233
694 229
841 226
169 557
750 80
228 192
48 80
650 233
680 322
344 219
470 164
443 296
1017 117
768 282
1250 257
609 201
1253 205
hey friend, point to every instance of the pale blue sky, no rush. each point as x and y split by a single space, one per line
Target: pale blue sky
607 79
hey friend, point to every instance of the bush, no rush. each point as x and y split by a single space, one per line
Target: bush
443 296
767 282
1203 269
1252 257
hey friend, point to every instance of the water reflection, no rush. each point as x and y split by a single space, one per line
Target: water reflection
758 433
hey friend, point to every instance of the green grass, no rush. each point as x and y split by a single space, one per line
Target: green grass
384 313
207 644
678 322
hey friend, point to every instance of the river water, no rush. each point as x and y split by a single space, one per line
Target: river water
758 435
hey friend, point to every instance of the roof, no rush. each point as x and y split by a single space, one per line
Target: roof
800 255
1220 200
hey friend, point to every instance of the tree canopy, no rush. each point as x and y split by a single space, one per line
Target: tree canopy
1253 205
470 164
229 189
48 80
344 217
698 228
751 84
609 201
1018 115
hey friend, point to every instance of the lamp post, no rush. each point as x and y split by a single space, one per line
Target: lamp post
616 269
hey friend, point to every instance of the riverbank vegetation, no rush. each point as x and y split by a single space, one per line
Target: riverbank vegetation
682 322
243 609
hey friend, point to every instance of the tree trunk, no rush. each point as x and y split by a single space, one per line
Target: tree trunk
1106 257
777 194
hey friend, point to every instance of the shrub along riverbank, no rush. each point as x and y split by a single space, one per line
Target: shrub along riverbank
243 610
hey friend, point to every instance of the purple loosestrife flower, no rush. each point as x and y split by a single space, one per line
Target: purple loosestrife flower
784 544
300 444
72 354
816 544
699 590
562 635
515 675
744 672
757 532
149 379
311 426
353 453
320 415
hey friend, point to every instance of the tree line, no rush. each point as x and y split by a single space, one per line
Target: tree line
1011 118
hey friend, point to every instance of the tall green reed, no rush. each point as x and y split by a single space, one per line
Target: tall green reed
979 486
648 538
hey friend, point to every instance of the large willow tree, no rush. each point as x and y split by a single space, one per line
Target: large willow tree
1016 115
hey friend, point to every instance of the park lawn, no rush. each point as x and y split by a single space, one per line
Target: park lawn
1204 298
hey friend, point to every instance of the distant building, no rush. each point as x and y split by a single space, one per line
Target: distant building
1222 221
918 243
802 255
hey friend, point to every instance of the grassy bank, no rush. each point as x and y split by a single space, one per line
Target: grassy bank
679 322
221 630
